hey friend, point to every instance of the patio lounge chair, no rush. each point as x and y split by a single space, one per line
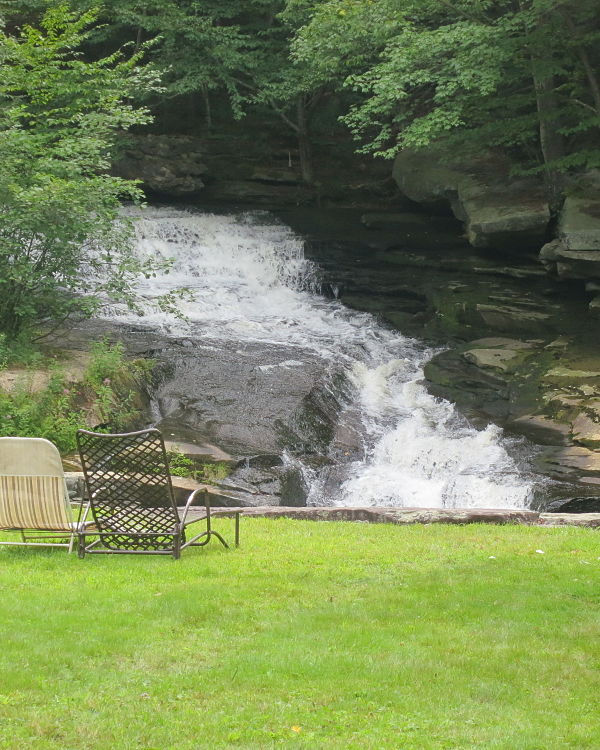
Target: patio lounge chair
33 494
132 501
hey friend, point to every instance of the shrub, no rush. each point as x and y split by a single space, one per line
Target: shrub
109 393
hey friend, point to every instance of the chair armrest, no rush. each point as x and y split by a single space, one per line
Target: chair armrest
191 499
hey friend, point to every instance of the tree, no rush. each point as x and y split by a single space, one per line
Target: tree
520 76
235 49
63 244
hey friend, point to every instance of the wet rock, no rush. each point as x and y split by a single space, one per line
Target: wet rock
578 505
586 431
571 374
262 461
570 461
247 399
514 318
499 342
293 489
541 429
496 359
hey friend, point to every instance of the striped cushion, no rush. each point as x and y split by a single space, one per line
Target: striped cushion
33 502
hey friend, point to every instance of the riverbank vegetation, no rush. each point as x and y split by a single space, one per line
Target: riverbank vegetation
414 637
49 398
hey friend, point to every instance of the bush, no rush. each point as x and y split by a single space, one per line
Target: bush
181 465
108 394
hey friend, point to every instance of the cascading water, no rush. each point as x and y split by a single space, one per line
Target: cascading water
248 281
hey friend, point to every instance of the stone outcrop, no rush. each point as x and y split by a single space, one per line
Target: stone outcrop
498 210
166 165
575 253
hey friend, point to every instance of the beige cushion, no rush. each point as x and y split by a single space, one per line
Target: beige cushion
33 493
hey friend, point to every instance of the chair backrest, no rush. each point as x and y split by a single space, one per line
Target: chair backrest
129 486
33 494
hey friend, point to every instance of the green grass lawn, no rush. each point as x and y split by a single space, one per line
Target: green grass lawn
311 635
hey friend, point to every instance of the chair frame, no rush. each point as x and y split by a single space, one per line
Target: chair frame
61 537
40 537
182 517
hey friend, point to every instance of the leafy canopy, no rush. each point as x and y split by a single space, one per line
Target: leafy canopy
484 73
63 245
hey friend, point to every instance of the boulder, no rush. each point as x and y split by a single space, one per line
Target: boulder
514 317
496 359
541 429
572 460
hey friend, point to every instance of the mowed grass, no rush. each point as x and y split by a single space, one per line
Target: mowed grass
311 635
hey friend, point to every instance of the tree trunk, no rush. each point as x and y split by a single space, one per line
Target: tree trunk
304 147
551 141
207 109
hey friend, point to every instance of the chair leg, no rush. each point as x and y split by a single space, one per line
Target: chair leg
177 546
219 537
81 546
237 529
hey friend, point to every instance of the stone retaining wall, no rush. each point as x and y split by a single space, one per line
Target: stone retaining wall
403 516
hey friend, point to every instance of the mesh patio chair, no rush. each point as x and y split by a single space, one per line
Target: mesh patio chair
132 501
33 494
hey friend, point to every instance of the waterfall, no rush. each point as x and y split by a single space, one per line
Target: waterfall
248 280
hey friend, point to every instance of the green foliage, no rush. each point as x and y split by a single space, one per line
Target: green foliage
181 465
48 413
107 394
519 77
215 471
63 246
19 351
199 46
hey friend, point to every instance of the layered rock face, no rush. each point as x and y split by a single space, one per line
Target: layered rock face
575 253
250 166
509 214
496 209
166 165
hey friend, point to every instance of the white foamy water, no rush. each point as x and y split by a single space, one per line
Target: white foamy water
249 281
